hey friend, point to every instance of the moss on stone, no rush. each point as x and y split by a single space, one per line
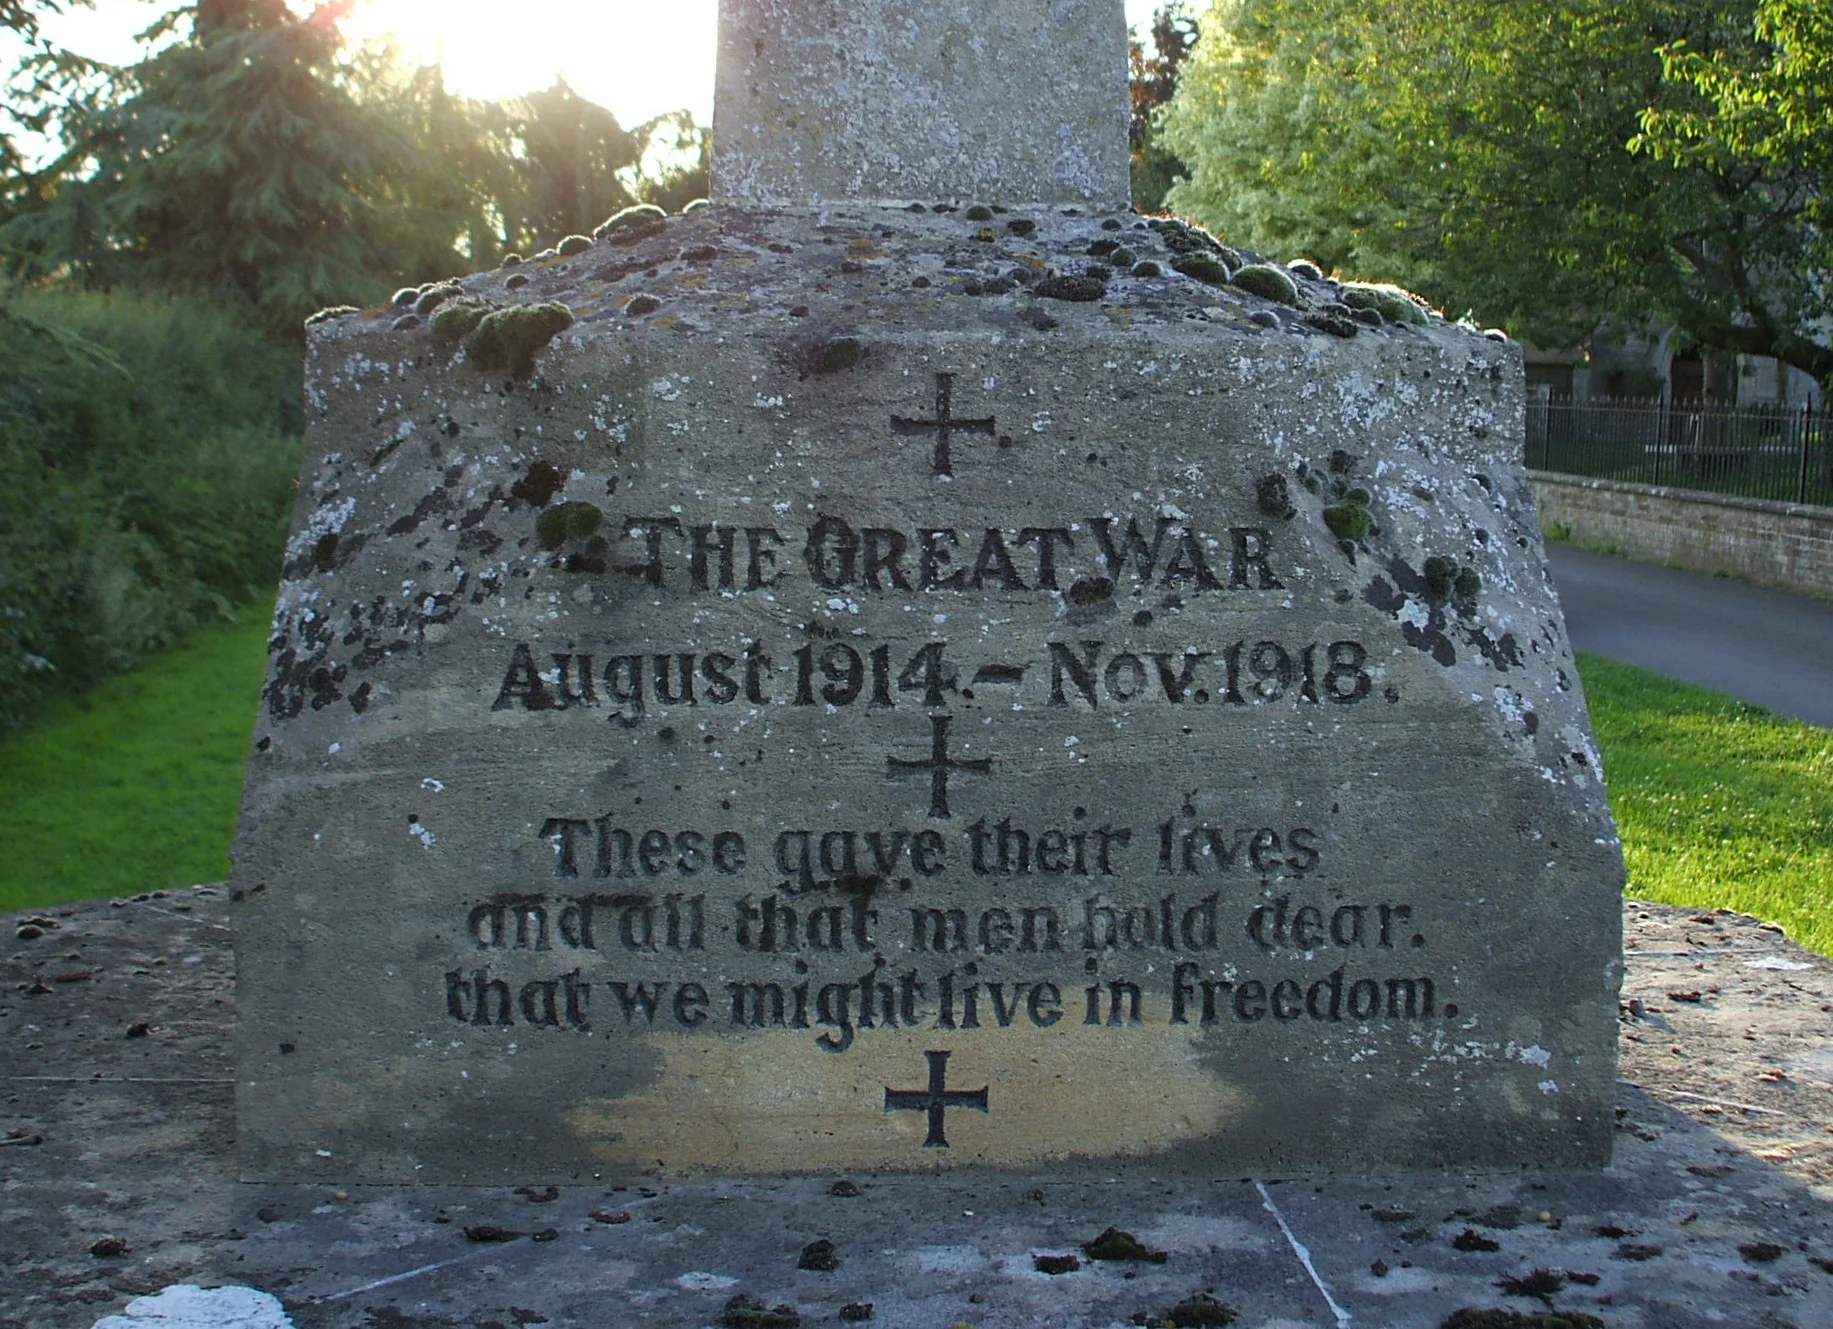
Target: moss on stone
516 282
1267 282
1201 1309
1206 268
1348 521
455 320
979 213
743 1313
1305 268
574 244
1147 268
831 357
1469 584
1440 574
433 296
1470 1318
646 216
1113 1244
642 304
326 315
695 206
1078 289
510 339
510 261
406 295
1390 302
568 521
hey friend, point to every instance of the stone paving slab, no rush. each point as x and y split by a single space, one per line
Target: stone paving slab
116 1122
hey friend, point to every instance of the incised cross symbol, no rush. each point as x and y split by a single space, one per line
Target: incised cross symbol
938 764
944 426
935 1100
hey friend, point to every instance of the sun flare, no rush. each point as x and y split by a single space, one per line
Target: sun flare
637 59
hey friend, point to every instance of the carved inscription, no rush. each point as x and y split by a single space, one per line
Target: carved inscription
972 916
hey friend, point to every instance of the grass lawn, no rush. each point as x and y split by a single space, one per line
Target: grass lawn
1719 804
134 787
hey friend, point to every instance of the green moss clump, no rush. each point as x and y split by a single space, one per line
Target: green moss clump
434 296
455 320
1440 573
1267 282
642 304
1147 268
743 1313
568 521
1348 521
1202 1309
1079 289
517 282
326 315
406 295
511 261
1304 267
574 244
1469 584
1390 302
646 216
833 356
979 213
511 338
1469 1318
1206 268
1114 1244
696 206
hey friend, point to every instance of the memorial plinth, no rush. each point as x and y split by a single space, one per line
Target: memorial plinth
901 686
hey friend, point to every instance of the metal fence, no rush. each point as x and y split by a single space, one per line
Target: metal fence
1765 451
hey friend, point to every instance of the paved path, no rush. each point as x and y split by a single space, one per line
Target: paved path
1768 647
1716 1211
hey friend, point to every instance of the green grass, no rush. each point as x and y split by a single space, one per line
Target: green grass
1720 804
133 786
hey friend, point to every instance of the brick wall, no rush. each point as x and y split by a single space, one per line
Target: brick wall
1779 544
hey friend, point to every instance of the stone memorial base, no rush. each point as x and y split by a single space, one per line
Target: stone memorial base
118 1174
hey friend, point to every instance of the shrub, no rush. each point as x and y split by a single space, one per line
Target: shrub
148 449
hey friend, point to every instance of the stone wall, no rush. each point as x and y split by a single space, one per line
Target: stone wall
1780 544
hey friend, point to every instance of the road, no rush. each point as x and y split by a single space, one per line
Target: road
1770 647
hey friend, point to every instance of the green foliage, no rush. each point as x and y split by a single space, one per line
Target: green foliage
134 786
456 320
1487 154
148 448
1153 80
253 154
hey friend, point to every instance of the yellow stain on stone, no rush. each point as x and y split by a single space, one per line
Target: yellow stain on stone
774 1102
1121 314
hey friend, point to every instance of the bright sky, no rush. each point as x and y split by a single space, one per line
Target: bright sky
637 57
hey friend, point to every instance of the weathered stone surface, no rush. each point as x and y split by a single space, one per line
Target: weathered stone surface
1177 759
1017 101
1720 1148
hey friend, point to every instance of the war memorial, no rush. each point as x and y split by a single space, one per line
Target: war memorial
911 745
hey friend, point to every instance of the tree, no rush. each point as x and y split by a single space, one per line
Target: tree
1152 83
1487 153
233 159
1767 117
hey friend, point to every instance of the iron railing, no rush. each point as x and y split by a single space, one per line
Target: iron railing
1779 452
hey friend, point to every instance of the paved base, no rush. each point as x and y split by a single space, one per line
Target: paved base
115 1086
1760 645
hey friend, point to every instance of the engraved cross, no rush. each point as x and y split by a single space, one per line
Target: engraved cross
938 764
944 426
936 1100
